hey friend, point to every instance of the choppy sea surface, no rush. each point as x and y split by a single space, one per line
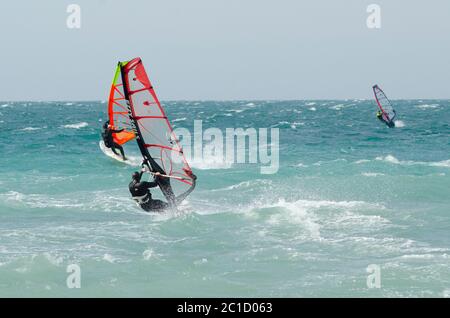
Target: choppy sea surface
349 193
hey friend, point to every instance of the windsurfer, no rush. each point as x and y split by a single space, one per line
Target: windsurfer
107 135
140 192
389 122
380 115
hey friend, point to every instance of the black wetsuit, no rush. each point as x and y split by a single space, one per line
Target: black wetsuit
108 139
390 123
141 194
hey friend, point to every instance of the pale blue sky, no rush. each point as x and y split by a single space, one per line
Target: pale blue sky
227 49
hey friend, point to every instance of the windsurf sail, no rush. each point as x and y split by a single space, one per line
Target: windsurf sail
384 104
118 110
157 142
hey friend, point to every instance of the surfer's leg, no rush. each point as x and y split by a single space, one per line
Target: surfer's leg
146 207
154 206
159 205
113 149
117 146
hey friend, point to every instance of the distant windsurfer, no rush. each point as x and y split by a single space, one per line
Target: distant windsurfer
108 139
140 192
385 119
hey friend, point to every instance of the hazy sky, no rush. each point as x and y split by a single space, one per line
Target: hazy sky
227 49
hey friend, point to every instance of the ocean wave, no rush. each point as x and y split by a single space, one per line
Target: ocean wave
337 107
179 119
372 174
391 159
148 254
39 201
295 124
310 216
312 109
32 128
76 126
209 161
295 213
445 163
281 124
245 184
399 124
97 200
446 293
109 258
427 106
321 162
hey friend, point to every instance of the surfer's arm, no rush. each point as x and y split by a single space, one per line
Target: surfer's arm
117 131
149 185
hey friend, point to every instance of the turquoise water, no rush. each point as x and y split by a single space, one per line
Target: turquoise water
350 192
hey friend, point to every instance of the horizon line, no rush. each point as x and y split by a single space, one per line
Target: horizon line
220 100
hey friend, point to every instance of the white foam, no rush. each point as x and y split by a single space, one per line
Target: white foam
76 126
246 184
313 109
201 261
295 124
147 254
337 107
427 106
40 201
388 158
319 163
446 293
54 259
31 128
393 160
250 104
362 161
179 119
445 163
305 214
109 258
399 124
210 161
372 174
296 213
